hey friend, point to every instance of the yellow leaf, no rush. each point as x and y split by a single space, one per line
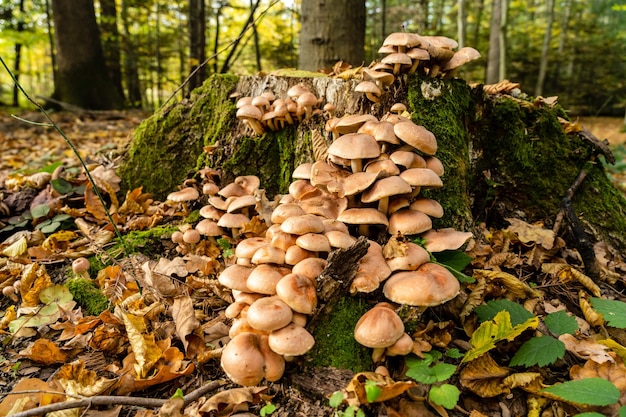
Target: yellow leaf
388 387
44 351
52 241
34 280
615 347
593 317
185 318
492 331
77 380
16 248
515 288
146 351
231 398
521 379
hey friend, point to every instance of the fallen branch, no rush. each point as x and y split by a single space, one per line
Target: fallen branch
110 400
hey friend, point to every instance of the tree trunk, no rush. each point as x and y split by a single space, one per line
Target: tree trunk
494 56
545 49
131 71
82 75
461 22
331 32
197 43
111 43
18 54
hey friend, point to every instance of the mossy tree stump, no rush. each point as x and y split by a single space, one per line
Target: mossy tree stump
503 157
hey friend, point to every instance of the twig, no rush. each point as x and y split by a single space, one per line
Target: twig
116 400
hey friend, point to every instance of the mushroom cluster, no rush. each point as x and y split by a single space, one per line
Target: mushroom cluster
267 112
406 53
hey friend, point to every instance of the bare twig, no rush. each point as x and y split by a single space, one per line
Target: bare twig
116 400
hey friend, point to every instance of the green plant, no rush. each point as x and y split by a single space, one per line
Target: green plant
587 391
226 247
267 409
538 350
430 370
613 311
335 401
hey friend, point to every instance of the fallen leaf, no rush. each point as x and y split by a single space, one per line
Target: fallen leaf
484 377
586 348
185 318
224 402
389 388
45 352
35 393
531 233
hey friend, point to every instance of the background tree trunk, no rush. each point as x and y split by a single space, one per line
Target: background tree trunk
111 43
545 49
82 74
331 32
197 42
131 68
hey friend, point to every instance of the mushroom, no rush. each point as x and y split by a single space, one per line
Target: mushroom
409 222
371 90
385 188
307 100
242 359
183 196
355 147
80 266
379 328
445 239
292 340
298 292
429 285
269 314
252 116
417 136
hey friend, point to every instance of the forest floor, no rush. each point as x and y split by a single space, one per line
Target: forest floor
94 340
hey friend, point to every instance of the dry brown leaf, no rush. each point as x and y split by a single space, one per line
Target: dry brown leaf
586 348
35 393
172 407
146 351
185 318
613 371
521 379
394 248
93 204
475 298
566 273
484 377
531 233
157 277
225 402
515 289
570 127
593 317
44 351
70 329
77 380
34 279
388 388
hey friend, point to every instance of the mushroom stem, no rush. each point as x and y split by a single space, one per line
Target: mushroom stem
356 165
378 354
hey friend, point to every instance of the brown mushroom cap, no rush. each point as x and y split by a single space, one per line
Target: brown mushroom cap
355 147
208 227
242 360
210 212
310 268
241 202
269 314
428 206
315 242
358 182
430 285
417 136
264 277
274 363
291 340
407 159
186 194
371 89
235 277
247 247
352 123
298 292
402 39
284 211
421 177
363 216
300 225
268 255
371 271
379 327
413 258
461 57
445 239
386 187
409 222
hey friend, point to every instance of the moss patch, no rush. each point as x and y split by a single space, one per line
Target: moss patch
167 145
334 338
87 295
147 241
444 108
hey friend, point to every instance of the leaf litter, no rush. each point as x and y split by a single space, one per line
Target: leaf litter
165 323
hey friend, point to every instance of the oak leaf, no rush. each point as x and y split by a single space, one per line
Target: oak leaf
45 352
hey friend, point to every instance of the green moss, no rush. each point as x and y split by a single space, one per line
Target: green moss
147 241
447 116
334 338
87 295
169 144
193 217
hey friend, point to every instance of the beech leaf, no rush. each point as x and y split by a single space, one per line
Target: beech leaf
588 391
541 350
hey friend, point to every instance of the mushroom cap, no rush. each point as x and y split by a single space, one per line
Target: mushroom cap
358 182
370 87
260 101
268 314
286 210
232 190
379 327
409 222
310 268
220 203
327 206
382 167
307 99
386 187
461 57
372 269
233 220
208 227
274 363
241 202
413 258
210 188
428 206
298 292
295 254
355 146
421 177
397 58
264 277
302 171
407 159
249 183
430 285
406 39
80 265
303 224
268 255
186 194
242 360
418 53
384 132
291 340
352 123
338 239
235 277
315 242
247 247
435 164
417 136
383 78
398 108
297 90
283 240
445 239
363 216
401 347
249 111
301 189
191 236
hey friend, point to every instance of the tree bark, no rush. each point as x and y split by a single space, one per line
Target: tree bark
111 43
197 43
495 43
331 32
82 75
131 71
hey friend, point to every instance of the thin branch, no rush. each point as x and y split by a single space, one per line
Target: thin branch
110 400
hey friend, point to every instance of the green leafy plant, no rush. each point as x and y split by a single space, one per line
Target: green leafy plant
454 261
226 247
613 311
335 401
539 350
267 409
587 391
431 371
372 390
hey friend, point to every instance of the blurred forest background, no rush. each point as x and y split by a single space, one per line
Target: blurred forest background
136 53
